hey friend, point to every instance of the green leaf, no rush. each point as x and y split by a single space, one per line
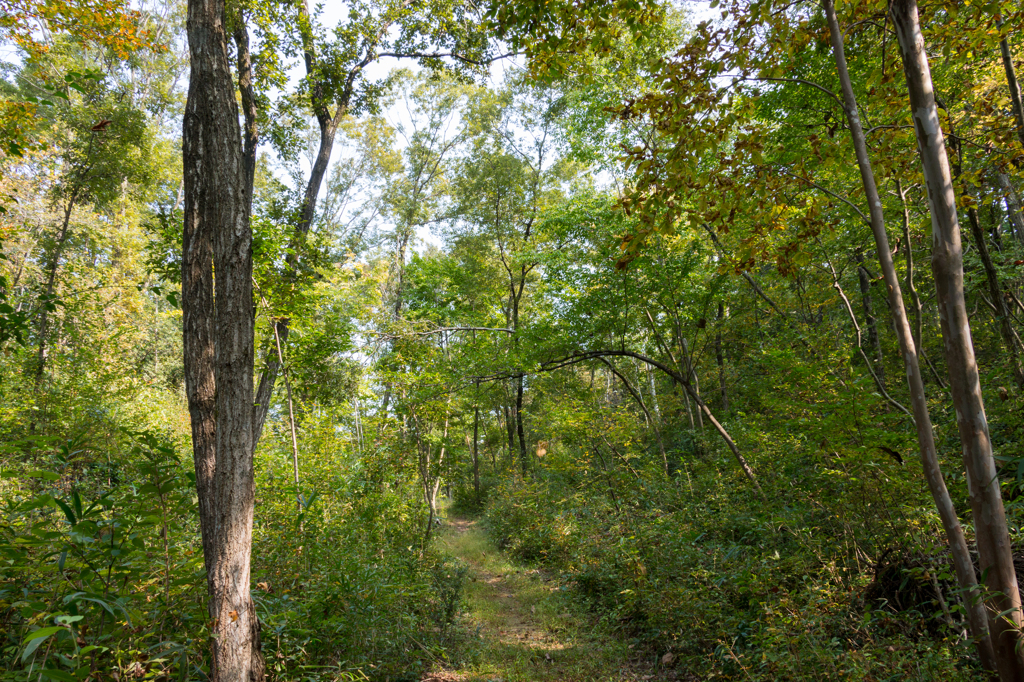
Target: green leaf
45 475
67 510
37 638
42 633
61 675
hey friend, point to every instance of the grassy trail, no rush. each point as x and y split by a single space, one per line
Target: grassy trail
524 631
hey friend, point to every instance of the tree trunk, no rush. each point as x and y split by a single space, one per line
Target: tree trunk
432 483
476 454
51 285
914 296
995 552
720 359
922 420
996 292
510 427
218 340
291 424
654 393
524 459
689 410
1012 84
1013 210
869 317
691 375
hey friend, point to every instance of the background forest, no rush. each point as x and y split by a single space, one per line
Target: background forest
603 277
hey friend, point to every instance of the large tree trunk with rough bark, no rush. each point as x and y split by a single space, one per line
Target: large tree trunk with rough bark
218 340
994 550
925 438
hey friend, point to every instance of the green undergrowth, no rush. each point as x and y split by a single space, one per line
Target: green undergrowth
102 576
737 586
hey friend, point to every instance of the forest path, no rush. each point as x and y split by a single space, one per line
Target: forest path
525 628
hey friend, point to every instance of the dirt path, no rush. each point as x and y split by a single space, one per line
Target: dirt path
523 625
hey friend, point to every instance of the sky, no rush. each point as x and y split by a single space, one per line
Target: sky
331 13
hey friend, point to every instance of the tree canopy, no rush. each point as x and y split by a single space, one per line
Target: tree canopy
711 318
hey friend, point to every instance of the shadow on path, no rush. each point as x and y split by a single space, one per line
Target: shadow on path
524 630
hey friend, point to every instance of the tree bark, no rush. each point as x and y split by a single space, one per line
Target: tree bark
510 427
918 328
962 562
524 459
996 292
1013 209
291 425
691 375
869 317
995 552
720 359
218 340
328 125
1012 84
476 454
432 483
860 348
51 284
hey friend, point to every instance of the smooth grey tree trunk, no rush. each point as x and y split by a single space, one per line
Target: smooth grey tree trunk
524 459
218 340
994 550
1012 84
914 296
476 453
996 292
691 374
869 317
922 419
720 359
1013 210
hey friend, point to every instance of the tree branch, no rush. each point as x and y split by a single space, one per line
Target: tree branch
441 55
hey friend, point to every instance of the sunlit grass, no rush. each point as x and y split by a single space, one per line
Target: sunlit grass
522 623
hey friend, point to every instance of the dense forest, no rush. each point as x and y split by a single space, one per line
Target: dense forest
543 340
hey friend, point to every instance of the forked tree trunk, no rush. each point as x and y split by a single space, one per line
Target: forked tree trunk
218 341
925 438
995 552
